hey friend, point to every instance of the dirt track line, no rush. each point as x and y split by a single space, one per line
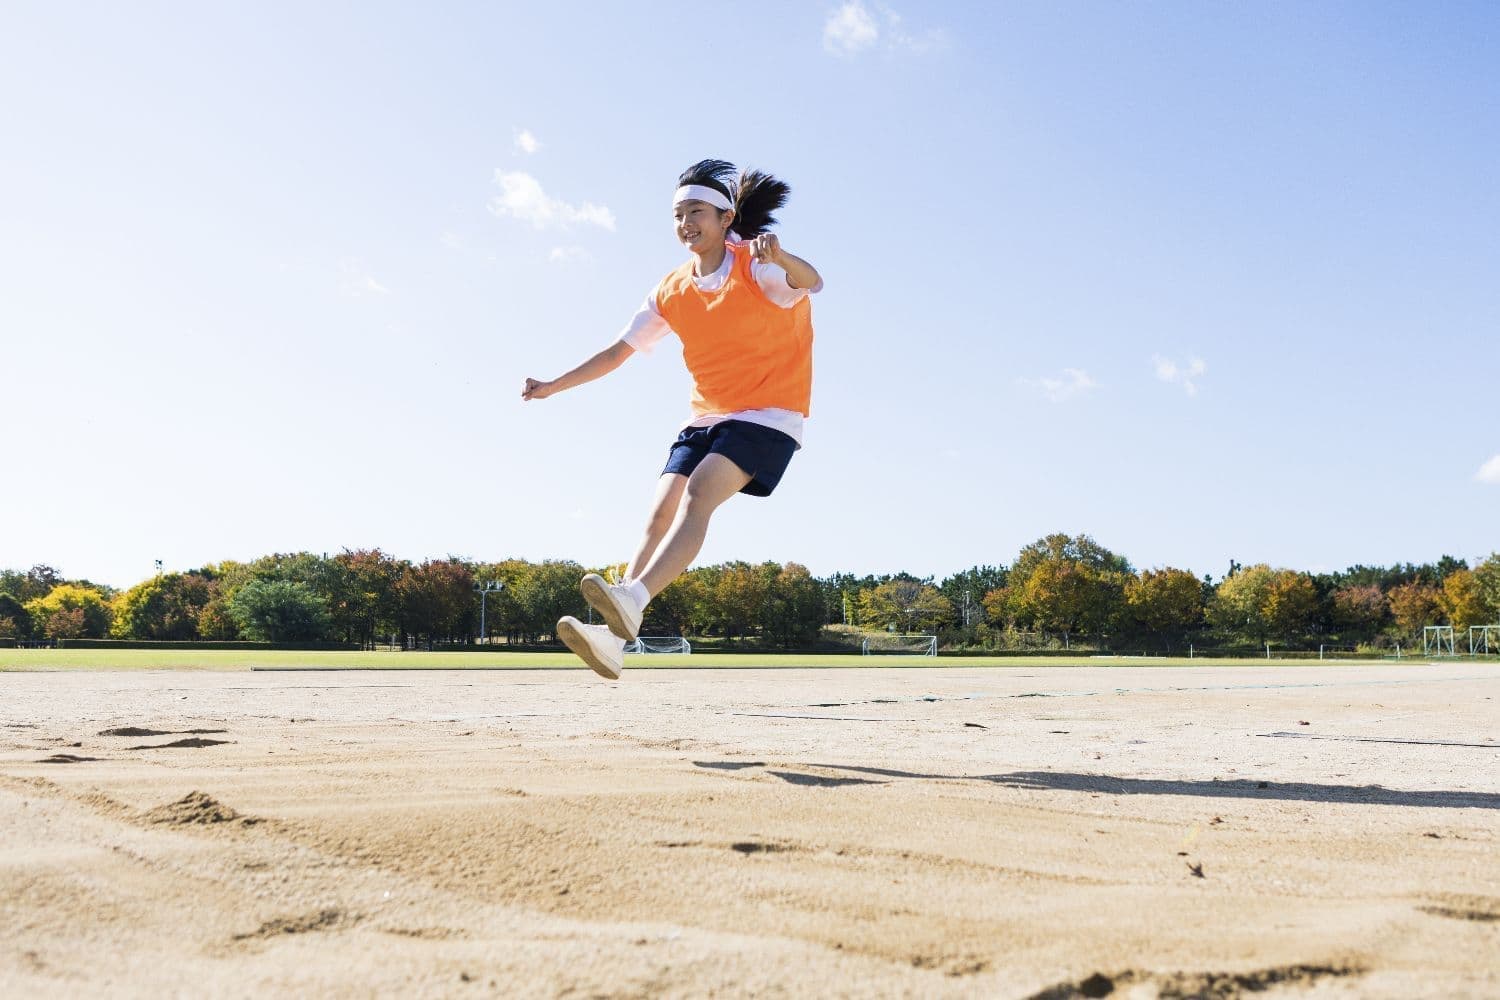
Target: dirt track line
1376 739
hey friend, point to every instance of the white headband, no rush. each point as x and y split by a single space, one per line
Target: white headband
701 192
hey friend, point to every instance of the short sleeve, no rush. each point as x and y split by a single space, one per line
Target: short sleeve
646 327
773 281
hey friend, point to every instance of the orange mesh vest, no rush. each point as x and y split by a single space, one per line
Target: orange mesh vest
744 351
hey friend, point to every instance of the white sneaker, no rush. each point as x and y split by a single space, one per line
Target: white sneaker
615 604
595 645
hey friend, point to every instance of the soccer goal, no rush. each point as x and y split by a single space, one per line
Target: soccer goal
887 644
1437 640
659 644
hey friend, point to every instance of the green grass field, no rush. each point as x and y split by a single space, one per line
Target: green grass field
12 660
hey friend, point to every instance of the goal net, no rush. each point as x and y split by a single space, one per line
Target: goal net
659 644
884 643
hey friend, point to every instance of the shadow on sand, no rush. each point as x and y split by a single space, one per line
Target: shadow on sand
1104 784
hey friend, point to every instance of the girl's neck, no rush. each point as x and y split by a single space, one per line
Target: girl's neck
707 263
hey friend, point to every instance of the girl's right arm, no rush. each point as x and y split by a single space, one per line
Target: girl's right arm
598 366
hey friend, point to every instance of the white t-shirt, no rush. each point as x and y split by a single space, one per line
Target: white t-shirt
649 326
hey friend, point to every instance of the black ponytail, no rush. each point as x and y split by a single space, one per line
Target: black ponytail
757 196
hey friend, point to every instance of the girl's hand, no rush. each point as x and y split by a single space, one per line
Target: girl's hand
535 390
766 247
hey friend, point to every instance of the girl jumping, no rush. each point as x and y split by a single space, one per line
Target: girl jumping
740 306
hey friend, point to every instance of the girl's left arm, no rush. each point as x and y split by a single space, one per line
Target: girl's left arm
799 273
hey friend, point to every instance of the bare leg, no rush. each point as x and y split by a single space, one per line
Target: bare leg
669 490
715 480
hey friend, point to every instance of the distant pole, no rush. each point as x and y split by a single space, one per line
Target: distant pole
485 590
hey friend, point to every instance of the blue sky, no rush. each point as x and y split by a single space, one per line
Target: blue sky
1207 282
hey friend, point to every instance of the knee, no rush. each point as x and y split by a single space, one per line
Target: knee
697 505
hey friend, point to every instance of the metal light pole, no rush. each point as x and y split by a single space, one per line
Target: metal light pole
485 590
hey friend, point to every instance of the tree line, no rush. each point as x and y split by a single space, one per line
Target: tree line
1060 591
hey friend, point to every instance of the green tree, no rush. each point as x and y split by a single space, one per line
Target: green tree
15 620
278 611
31 585
1165 602
966 592
794 607
904 605
542 593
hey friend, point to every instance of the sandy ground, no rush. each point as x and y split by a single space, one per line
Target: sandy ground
1018 832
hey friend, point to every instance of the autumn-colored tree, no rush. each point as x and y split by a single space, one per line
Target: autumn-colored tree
1461 601
1414 606
1002 605
1239 603
678 609
1290 603
93 623
1487 582
360 590
739 594
1072 597
67 623
162 607
1080 549
437 599
1359 610
1165 602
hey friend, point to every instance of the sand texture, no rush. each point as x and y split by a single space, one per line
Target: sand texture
948 831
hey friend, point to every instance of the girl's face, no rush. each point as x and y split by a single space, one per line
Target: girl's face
700 226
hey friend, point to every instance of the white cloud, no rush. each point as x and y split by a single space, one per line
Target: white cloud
849 29
898 38
569 255
853 28
521 196
526 142
356 281
1489 472
1072 382
1167 371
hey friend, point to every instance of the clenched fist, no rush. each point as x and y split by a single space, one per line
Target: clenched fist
766 247
534 389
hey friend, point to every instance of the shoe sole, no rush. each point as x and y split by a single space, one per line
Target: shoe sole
576 641
596 592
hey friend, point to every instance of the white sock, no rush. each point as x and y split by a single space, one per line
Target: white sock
638 591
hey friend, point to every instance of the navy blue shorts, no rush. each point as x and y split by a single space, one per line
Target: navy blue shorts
763 453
